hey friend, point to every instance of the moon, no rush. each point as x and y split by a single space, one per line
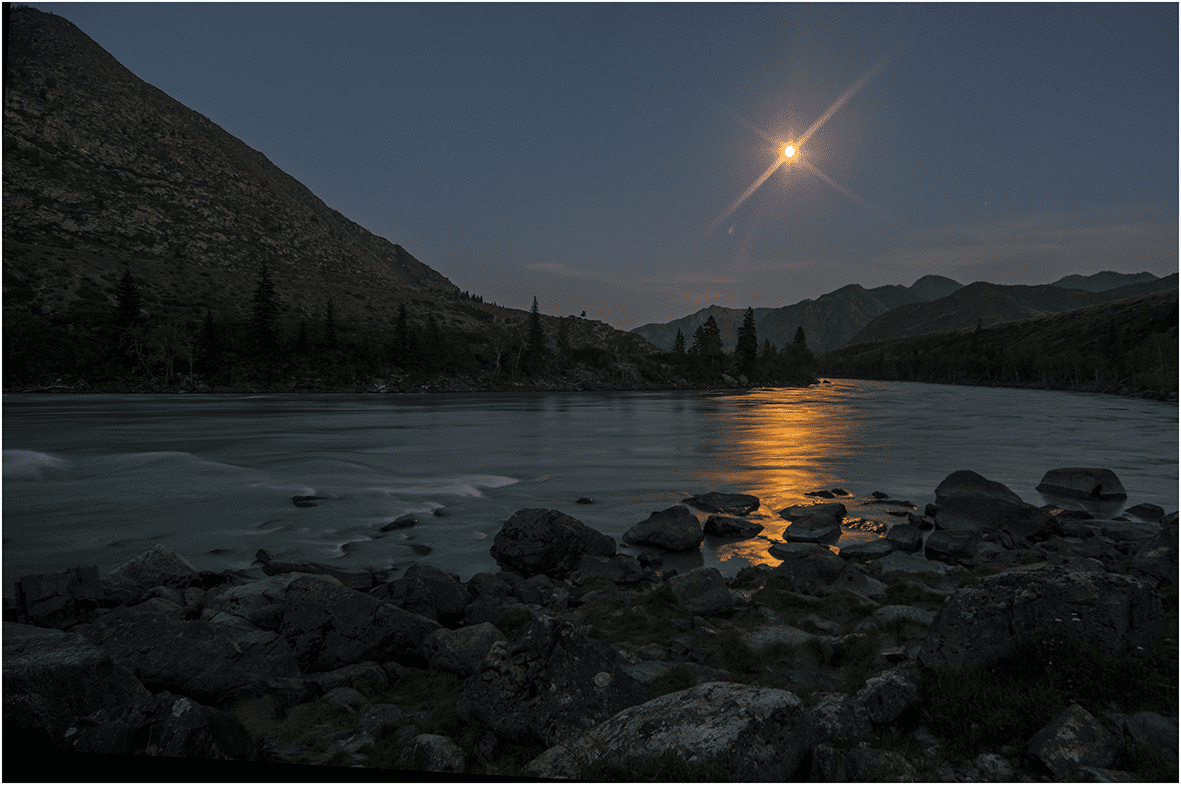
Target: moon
789 151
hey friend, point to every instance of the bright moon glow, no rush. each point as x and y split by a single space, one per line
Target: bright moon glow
789 151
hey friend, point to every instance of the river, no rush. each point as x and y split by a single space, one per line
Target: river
98 479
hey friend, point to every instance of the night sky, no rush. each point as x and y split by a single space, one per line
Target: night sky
595 156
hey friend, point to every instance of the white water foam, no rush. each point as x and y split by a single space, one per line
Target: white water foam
32 465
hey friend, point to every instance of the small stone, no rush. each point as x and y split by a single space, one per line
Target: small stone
403 522
585 500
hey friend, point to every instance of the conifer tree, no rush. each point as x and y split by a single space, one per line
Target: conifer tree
128 302
330 326
679 342
264 314
747 350
535 342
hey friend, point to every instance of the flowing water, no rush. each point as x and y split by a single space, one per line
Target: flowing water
98 479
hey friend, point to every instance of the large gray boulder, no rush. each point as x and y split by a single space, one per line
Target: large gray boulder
816 527
329 626
702 592
158 566
53 677
1080 483
259 602
1116 613
460 651
675 528
59 599
204 660
726 503
749 733
549 542
1071 740
548 684
448 596
966 482
168 725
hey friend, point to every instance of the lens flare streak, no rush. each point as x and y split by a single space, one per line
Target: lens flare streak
753 187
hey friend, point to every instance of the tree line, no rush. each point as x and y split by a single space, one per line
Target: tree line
705 360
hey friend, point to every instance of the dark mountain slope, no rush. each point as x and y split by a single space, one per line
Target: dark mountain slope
1101 282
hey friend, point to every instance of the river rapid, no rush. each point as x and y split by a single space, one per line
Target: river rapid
98 479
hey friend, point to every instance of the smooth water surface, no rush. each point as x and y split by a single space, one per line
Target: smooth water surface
98 479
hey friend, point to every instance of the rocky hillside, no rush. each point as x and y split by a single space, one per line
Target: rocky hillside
828 321
103 172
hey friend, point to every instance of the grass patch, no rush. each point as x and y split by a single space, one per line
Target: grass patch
1007 699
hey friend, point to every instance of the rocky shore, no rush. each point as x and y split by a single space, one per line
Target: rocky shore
986 639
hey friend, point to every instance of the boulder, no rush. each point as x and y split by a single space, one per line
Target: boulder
167 725
448 595
1147 511
485 584
890 694
52 677
761 639
548 684
866 549
815 570
815 527
329 626
982 513
403 522
620 568
744 732
675 528
1071 740
838 719
354 578
723 526
967 482
432 752
909 564
727 503
1079 483
702 592
259 602
906 537
367 678
537 541
1116 613
59 599
158 566
460 651
861 764
409 594
1148 727
204 660
953 546
835 509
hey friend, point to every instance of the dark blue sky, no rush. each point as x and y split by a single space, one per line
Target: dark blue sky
590 155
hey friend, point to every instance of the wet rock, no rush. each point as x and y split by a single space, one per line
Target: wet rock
1072 739
1147 511
402 522
548 684
816 527
807 566
434 753
821 494
833 764
909 564
59 599
650 559
1079 483
485 584
866 549
204 660
969 483
749 733
548 542
835 509
906 537
52 677
1116 613
675 528
584 500
306 501
953 547
329 626
158 566
460 651
354 578
702 592
724 526
980 513
726 503
620 568
167 725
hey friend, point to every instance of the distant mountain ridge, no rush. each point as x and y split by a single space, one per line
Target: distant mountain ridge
853 314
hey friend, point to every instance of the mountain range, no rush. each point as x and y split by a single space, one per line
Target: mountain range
853 314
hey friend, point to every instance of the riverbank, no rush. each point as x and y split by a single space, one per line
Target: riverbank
577 659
